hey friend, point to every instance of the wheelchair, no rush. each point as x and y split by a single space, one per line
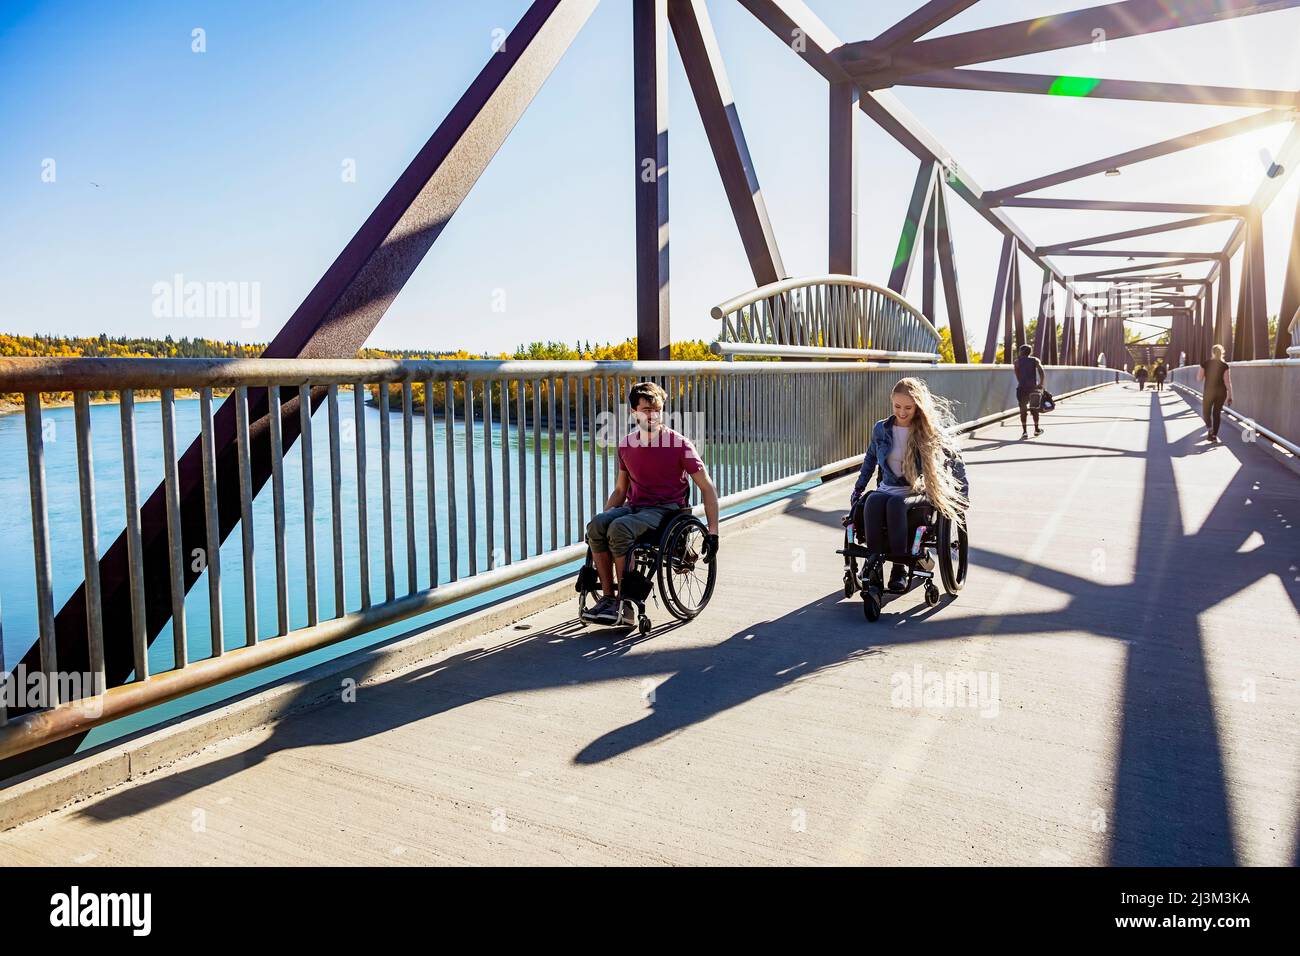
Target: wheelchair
944 544
671 555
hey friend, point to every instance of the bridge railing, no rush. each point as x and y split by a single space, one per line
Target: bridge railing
396 488
830 316
1265 397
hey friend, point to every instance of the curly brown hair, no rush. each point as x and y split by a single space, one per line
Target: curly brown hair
645 390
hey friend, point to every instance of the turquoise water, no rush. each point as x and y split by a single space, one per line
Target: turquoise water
17 580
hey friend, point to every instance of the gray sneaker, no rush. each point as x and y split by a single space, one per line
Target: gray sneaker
604 611
627 616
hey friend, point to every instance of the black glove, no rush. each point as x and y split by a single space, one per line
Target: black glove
710 548
846 519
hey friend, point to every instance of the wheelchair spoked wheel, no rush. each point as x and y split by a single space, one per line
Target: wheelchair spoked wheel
953 555
685 581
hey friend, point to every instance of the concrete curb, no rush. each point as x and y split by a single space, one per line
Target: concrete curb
82 776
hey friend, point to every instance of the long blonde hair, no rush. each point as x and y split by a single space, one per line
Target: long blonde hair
931 439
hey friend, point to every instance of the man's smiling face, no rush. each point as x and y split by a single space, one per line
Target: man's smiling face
649 415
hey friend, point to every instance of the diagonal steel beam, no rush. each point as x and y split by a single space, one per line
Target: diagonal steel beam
1134 233
1094 88
1284 165
928 16
1177 144
1057 32
948 272
918 209
999 300
334 320
707 75
807 36
1113 205
1135 254
1107 273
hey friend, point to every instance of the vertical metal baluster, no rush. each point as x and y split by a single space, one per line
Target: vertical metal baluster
408 449
386 484
175 546
449 439
737 429
720 433
579 390
787 445
550 425
134 549
363 503
611 436
568 483
746 425
4 674
89 543
308 503
336 495
243 447
212 525
537 463
471 488
595 432
504 426
521 436
277 499
745 428
489 502
430 485
41 542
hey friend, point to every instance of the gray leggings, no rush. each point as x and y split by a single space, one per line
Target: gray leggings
880 512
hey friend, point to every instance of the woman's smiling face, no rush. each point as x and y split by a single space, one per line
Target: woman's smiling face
904 408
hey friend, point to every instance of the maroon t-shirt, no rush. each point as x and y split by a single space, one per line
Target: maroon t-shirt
657 466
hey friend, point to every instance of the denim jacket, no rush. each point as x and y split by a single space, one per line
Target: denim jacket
882 442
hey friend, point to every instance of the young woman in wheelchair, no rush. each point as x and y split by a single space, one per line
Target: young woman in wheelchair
654 464
914 457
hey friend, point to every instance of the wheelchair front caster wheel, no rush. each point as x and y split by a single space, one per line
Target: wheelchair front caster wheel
931 595
850 583
643 625
870 606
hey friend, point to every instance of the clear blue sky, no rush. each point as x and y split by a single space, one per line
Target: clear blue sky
226 165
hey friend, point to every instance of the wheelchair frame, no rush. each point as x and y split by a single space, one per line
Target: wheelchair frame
939 547
646 566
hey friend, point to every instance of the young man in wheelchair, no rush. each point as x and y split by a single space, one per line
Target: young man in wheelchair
915 454
654 462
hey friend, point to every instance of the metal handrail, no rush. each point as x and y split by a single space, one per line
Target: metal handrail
831 315
497 485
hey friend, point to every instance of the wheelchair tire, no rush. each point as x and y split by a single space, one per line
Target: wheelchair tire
685 581
870 606
850 583
953 555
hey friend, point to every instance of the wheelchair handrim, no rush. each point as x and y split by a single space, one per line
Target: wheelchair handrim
686 586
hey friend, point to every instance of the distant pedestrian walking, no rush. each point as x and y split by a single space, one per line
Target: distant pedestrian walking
1141 375
1160 374
1030 381
1218 390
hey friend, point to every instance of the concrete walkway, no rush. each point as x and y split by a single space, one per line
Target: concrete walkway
1130 623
